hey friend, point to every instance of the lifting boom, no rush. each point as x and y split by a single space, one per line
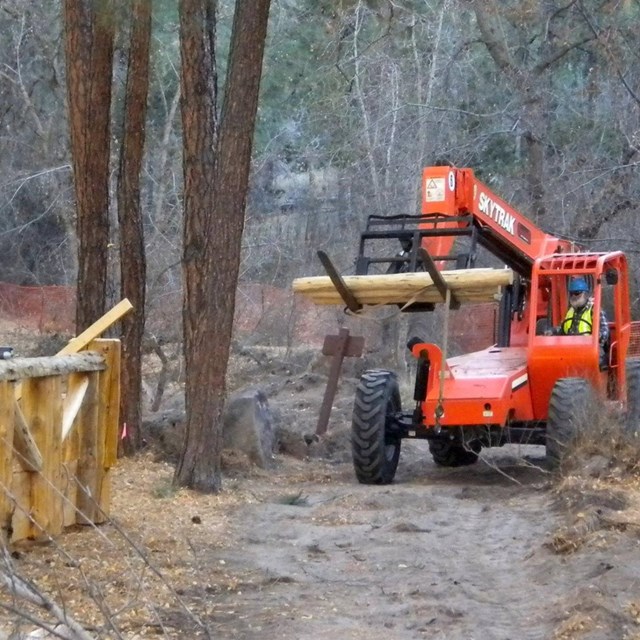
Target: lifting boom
462 200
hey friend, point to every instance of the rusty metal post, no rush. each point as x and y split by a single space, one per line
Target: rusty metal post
340 346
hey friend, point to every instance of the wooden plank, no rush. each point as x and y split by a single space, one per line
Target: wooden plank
337 347
76 389
6 459
69 491
71 444
27 452
105 495
471 285
87 471
382 298
335 344
21 526
97 328
70 454
51 399
42 408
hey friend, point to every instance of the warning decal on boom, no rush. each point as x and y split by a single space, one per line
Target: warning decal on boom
434 190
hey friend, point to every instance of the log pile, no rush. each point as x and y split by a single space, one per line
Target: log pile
467 285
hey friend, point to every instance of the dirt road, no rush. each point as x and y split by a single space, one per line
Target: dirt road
303 552
443 553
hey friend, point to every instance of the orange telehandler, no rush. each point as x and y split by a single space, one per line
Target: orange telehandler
528 387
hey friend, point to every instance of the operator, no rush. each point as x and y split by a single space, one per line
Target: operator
579 317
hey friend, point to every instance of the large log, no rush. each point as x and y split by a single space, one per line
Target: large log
18 368
468 285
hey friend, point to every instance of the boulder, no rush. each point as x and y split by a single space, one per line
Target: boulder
248 426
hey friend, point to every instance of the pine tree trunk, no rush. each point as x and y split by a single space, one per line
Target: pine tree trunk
216 172
132 250
89 33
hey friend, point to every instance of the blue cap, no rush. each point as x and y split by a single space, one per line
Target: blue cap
578 285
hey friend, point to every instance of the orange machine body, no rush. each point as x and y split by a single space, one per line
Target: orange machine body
510 383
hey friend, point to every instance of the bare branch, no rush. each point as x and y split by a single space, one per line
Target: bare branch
25 590
610 55
558 55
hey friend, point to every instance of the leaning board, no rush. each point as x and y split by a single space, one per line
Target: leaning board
468 285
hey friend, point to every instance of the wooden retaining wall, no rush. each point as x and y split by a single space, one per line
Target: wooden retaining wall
58 439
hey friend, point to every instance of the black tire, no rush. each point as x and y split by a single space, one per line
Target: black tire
375 451
454 453
632 415
570 407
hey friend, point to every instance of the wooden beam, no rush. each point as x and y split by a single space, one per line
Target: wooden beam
21 368
44 418
467 285
97 328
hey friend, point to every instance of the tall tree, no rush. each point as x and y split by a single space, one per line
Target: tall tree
132 249
89 34
216 157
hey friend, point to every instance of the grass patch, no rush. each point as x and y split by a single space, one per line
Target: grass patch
164 489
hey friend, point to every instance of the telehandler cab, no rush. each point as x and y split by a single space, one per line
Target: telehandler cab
529 387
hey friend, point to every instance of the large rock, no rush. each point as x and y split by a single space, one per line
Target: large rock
247 430
248 426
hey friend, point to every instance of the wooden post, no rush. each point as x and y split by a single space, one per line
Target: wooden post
6 458
340 346
108 419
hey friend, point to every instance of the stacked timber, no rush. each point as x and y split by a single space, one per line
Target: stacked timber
466 285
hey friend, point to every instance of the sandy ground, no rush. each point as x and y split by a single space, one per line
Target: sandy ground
500 550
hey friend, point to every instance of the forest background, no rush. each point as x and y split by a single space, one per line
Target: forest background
541 98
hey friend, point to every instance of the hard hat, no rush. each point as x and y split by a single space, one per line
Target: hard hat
578 285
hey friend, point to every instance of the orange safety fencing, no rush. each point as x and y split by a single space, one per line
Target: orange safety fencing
260 309
46 309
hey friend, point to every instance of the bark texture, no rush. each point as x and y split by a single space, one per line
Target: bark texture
216 171
132 249
89 35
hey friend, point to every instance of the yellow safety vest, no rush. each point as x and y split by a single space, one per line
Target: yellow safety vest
582 325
